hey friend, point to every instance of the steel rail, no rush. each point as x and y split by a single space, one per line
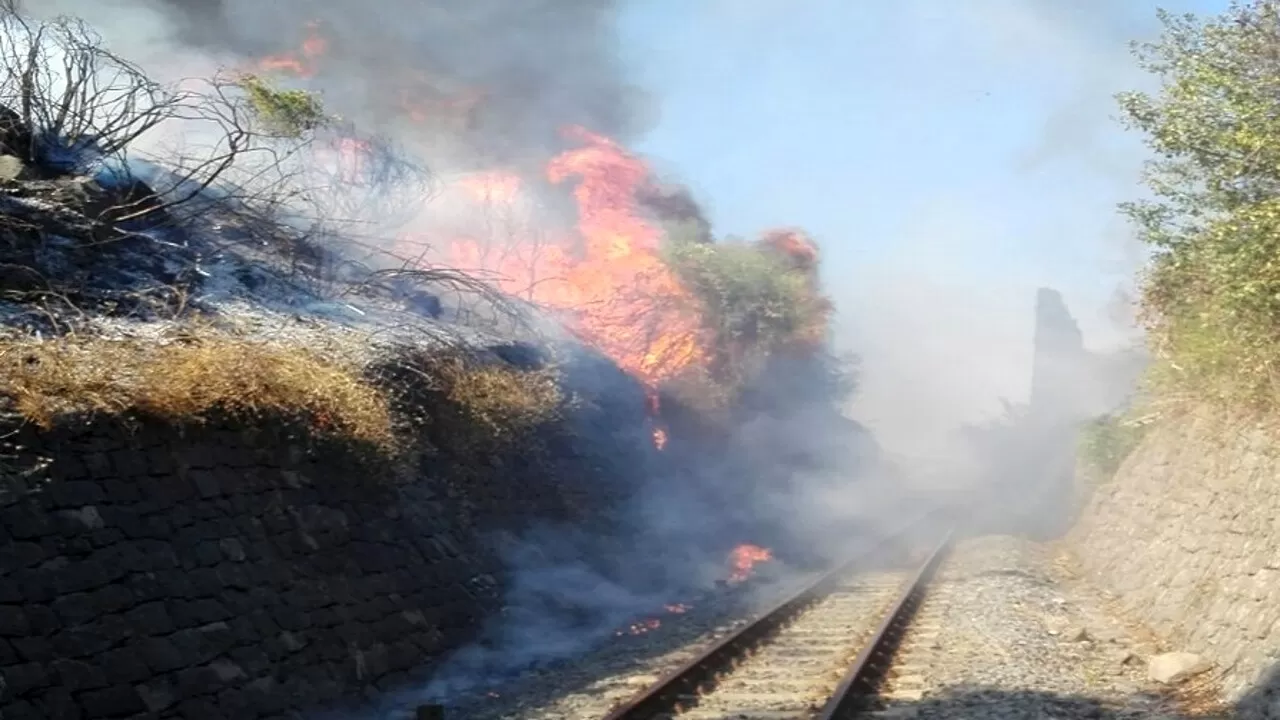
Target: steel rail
868 670
703 672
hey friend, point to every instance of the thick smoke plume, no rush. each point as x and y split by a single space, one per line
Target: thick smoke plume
488 81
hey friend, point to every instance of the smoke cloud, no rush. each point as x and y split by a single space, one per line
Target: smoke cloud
486 81
945 324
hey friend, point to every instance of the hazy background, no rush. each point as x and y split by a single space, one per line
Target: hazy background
949 156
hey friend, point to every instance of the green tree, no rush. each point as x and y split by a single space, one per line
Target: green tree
1212 293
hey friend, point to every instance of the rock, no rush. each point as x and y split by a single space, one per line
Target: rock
1055 626
11 168
1077 634
232 549
1105 635
88 516
156 696
1174 667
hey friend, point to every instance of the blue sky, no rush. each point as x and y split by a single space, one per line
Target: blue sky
950 155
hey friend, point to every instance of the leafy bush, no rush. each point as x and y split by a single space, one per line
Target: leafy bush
1107 440
756 299
1212 294
288 113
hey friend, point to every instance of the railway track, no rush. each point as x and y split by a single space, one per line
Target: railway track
822 654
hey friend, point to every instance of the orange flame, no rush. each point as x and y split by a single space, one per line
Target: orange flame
425 103
801 253
744 559
609 283
304 63
492 187
615 290
796 246
641 627
659 438
353 157
631 304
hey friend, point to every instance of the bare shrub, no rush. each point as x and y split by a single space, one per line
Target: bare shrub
363 184
70 94
69 106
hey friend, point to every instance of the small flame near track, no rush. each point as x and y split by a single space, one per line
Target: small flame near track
650 624
744 560
641 627
742 564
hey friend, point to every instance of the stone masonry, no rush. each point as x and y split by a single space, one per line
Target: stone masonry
1187 535
221 573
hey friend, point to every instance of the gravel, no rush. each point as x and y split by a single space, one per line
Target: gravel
1006 633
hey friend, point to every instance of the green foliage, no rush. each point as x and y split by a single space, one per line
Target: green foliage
1107 440
288 113
1212 294
754 301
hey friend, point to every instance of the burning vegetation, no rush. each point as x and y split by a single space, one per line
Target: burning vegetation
287 200
240 246
634 274
744 559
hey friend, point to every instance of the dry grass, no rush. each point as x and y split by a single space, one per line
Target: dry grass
188 380
500 396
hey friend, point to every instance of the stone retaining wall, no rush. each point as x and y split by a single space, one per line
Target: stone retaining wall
1188 536
216 572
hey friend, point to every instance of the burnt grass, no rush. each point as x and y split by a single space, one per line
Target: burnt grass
78 240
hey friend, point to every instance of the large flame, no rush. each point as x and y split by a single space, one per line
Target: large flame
608 279
611 282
